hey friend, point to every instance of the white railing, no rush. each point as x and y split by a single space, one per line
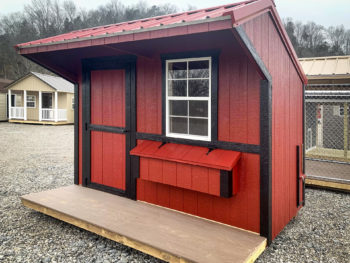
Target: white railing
49 114
17 113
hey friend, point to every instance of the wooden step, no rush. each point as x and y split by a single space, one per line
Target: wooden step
163 233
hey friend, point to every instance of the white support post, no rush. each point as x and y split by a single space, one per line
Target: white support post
40 113
25 105
9 101
56 107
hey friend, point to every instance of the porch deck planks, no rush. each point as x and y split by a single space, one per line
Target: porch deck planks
166 234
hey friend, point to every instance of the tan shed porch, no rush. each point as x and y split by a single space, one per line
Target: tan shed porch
37 106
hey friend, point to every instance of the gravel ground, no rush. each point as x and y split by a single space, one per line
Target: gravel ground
35 158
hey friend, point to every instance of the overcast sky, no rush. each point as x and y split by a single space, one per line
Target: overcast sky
324 12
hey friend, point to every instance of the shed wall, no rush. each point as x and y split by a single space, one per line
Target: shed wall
3 106
31 83
238 121
70 110
286 117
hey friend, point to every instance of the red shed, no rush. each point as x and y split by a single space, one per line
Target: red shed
200 112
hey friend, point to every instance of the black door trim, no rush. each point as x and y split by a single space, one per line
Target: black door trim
128 63
112 129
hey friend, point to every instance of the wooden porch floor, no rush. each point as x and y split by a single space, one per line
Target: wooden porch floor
40 122
166 234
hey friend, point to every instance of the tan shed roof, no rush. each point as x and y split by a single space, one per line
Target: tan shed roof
54 82
337 66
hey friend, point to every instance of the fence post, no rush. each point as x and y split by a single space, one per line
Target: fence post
345 130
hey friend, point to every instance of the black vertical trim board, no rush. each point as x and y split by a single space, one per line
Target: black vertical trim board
265 134
298 175
128 63
266 160
214 54
214 96
128 180
86 158
163 97
134 160
225 183
76 134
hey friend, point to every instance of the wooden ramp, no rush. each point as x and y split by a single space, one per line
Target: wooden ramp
169 235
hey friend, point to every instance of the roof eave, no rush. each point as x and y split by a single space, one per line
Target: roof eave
19 48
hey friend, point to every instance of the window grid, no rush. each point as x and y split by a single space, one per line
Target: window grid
31 101
188 99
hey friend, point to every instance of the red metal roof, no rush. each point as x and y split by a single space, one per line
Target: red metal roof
142 24
197 21
188 154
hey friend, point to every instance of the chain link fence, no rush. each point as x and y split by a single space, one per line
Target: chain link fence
327 134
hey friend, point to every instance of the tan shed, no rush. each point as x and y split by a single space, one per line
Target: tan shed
41 98
3 98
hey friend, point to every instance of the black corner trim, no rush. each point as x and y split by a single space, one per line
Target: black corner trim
76 134
103 128
214 54
298 174
266 160
225 183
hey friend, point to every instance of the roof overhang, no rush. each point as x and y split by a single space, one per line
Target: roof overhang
230 19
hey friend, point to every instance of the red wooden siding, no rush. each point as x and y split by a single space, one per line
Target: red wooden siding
241 210
238 122
149 95
108 159
108 97
287 117
239 100
108 108
196 178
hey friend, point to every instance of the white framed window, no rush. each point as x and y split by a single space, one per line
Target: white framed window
31 101
188 98
73 103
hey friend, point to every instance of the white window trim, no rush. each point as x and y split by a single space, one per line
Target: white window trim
167 98
72 103
31 101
